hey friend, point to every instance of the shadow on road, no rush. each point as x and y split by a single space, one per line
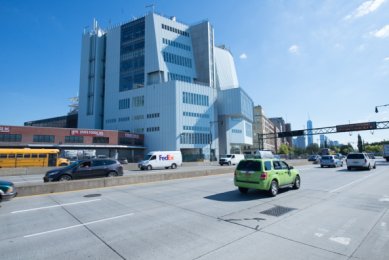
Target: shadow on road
236 196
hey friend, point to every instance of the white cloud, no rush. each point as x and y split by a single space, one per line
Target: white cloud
243 56
294 49
381 33
365 8
386 59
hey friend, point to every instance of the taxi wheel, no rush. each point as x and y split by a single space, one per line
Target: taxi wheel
297 183
273 188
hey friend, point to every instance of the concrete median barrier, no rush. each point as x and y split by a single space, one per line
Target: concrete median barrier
53 187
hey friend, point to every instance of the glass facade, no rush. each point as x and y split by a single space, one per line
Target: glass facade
132 58
43 138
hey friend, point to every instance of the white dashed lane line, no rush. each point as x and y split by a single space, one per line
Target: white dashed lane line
54 206
75 226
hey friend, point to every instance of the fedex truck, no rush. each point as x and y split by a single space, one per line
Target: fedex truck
161 159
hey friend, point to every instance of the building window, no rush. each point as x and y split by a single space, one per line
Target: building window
110 121
236 131
196 128
138 117
124 103
100 140
195 99
154 115
74 139
10 138
132 58
176 44
138 101
139 130
173 76
194 138
193 114
152 129
124 119
175 30
43 138
177 59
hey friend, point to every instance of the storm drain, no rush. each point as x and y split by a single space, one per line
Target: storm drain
92 195
277 211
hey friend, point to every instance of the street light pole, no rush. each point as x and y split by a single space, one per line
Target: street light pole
376 108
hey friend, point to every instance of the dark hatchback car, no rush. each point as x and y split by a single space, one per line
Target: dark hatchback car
7 190
92 168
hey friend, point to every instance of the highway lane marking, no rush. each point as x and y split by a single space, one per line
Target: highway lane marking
346 185
79 225
55 206
341 240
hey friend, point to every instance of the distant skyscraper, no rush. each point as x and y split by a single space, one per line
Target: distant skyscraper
309 132
299 142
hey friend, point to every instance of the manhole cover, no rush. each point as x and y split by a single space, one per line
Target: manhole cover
276 211
92 195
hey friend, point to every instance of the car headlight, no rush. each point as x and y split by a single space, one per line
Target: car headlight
51 173
10 189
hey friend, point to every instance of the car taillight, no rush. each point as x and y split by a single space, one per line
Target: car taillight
235 173
264 176
365 161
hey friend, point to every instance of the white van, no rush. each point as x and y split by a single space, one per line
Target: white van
161 159
231 159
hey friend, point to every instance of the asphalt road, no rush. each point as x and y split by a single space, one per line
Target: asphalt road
337 214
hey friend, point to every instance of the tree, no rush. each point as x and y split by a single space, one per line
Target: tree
284 149
360 145
312 149
376 149
346 149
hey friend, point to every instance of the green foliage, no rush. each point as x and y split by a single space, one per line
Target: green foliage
360 145
284 149
346 149
312 149
376 149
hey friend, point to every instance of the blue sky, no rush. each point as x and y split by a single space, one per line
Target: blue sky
326 60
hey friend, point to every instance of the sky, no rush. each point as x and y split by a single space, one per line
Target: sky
324 60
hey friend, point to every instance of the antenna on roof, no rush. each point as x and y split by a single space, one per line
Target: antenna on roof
151 6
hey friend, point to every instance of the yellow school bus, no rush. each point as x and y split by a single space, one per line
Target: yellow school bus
11 158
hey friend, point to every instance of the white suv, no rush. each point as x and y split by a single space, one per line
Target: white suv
360 160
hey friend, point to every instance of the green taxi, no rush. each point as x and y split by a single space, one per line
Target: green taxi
265 174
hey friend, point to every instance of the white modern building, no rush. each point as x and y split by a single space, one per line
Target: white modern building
167 80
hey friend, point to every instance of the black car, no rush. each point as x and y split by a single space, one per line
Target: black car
92 168
7 190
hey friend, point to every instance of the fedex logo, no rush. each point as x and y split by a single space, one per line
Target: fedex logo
166 158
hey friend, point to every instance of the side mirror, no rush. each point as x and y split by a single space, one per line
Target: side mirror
291 167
